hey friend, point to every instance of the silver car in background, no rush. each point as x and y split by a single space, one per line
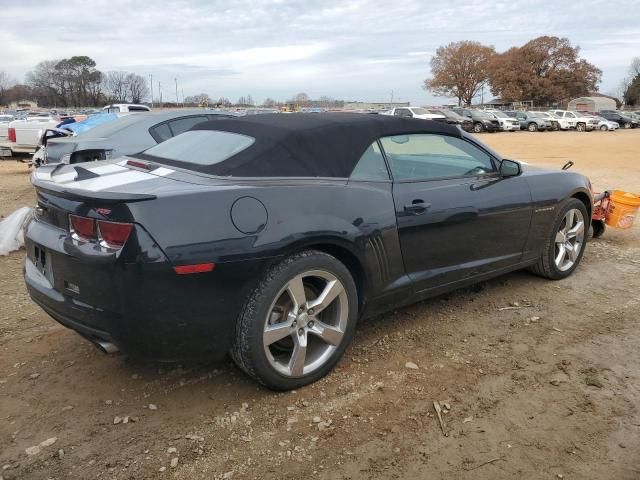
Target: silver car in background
126 135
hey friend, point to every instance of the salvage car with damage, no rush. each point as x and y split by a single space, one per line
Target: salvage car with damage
271 236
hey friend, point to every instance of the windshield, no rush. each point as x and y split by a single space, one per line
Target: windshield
201 147
481 114
537 115
421 111
500 114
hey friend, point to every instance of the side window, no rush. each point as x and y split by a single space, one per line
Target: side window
403 112
160 132
569 115
181 125
429 157
371 165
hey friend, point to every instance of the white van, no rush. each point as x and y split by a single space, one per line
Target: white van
125 108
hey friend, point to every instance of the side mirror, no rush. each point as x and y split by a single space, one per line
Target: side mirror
510 168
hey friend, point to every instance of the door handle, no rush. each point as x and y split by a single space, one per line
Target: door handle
416 207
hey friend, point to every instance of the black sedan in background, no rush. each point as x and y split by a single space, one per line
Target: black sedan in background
455 119
482 121
625 121
271 236
126 135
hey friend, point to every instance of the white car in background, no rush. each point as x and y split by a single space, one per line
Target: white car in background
577 120
507 122
125 108
563 123
4 126
606 125
415 112
23 136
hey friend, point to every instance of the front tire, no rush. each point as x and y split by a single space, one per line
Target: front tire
627 125
581 127
563 250
478 128
532 127
604 128
297 323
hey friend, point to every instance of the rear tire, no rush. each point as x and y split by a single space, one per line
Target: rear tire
286 335
565 245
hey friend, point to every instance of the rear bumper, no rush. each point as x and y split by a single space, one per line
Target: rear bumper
145 309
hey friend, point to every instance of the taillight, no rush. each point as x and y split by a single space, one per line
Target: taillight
82 227
114 234
12 135
109 234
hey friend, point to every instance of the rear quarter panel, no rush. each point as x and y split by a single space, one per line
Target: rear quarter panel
196 226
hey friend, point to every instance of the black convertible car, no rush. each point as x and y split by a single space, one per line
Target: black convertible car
270 236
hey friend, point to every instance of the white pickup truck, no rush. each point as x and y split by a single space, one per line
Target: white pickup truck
415 112
576 120
23 136
4 126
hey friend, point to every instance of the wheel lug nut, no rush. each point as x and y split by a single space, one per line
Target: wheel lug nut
310 311
310 324
301 331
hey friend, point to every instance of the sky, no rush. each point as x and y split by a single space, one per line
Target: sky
368 50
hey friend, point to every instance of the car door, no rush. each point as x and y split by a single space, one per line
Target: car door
457 218
572 119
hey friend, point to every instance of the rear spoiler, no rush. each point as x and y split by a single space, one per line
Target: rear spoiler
101 196
105 197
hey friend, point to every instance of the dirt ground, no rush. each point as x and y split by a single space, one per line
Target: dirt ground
549 388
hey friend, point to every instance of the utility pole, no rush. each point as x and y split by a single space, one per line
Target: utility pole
151 81
160 93
177 99
182 97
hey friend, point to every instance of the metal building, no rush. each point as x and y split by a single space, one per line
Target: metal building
592 104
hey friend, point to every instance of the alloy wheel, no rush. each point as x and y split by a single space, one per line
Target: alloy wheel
569 240
306 323
604 128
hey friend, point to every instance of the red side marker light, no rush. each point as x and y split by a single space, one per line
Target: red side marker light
197 268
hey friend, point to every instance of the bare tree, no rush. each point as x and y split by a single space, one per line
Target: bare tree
6 82
137 89
115 86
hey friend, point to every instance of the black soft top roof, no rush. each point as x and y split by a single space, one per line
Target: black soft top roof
309 144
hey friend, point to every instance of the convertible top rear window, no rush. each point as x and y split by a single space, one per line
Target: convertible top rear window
201 147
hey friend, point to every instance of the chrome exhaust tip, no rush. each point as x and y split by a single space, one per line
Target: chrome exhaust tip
107 347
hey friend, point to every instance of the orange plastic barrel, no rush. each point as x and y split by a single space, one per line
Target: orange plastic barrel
622 210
